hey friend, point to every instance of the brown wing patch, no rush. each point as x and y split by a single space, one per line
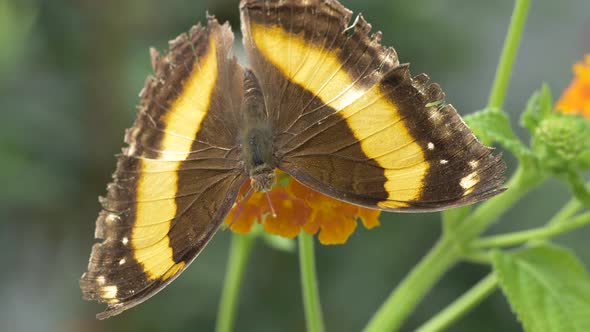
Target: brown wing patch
178 177
342 101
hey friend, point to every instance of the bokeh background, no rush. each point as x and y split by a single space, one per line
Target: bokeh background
70 73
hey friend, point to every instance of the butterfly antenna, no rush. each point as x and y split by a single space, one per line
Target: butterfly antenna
241 203
272 209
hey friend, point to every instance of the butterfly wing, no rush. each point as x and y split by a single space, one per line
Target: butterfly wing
178 177
350 121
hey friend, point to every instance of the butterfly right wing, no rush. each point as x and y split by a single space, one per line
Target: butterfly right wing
178 178
351 122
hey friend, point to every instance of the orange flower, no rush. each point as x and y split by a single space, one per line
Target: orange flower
576 98
297 207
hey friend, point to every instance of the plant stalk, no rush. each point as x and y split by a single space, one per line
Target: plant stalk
542 233
523 180
461 306
569 209
402 301
508 56
309 284
240 248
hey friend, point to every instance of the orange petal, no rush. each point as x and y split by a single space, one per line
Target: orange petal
312 225
369 217
334 229
297 207
576 97
249 210
336 220
292 213
243 223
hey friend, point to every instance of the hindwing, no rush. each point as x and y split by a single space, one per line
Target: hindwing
179 175
350 121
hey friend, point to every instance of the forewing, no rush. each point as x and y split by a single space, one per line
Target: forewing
179 175
351 122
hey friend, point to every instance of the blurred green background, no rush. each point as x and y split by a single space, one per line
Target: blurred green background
70 72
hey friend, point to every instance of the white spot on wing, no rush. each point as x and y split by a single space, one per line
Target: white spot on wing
122 261
468 182
444 161
435 116
130 151
474 163
100 280
109 292
111 218
430 146
125 240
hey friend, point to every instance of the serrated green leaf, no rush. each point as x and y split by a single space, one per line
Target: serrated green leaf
547 287
493 125
538 107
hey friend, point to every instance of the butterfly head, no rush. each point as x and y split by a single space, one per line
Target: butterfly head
263 178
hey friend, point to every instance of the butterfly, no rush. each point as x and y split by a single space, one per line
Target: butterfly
321 100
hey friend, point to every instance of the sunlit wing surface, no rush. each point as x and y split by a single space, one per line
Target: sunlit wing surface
351 122
178 177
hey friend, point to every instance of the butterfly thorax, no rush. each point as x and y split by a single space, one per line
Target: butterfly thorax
256 137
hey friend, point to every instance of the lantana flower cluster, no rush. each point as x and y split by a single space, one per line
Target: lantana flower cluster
298 208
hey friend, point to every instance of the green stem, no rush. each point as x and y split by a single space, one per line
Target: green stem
569 209
461 306
487 285
309 283
558 224
580 190
412 289
524 179
511 43
241 246
517 238
478 257
564 214
455 217
402 301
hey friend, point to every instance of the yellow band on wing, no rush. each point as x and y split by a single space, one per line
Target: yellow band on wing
374 120
154 217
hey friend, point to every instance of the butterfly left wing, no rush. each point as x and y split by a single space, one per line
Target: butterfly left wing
350 121
179 176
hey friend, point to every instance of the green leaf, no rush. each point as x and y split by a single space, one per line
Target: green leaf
539 106
492 125
547 287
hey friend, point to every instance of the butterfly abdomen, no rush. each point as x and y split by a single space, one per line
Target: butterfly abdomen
256 136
